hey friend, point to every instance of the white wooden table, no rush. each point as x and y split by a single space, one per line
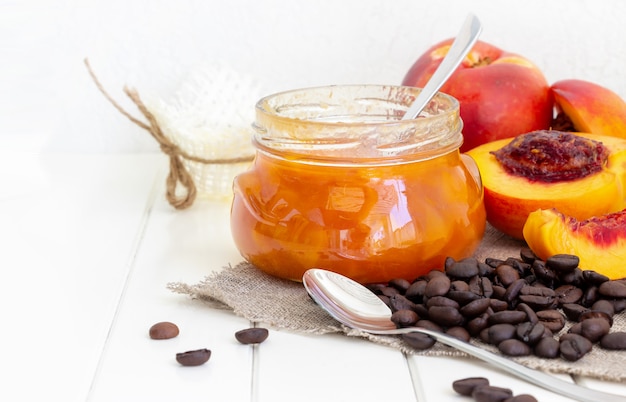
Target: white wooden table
88 244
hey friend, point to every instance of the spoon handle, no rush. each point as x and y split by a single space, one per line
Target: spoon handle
468 35
537 377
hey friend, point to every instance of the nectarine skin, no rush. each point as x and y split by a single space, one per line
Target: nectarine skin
590 107
501 94
599 242
510 199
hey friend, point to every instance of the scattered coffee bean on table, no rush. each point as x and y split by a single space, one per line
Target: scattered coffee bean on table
193 357
163 330
481 390
521 305
252 335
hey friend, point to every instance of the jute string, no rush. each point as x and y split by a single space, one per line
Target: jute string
178 174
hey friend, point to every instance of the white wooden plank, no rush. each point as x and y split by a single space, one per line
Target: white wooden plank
177 246
67 227
330 368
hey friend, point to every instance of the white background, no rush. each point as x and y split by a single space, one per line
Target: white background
48 102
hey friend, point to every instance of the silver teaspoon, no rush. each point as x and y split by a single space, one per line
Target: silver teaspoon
357 307
467 37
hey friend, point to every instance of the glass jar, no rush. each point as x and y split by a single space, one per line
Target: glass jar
340 182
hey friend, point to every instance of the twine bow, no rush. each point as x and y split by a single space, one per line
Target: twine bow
178 174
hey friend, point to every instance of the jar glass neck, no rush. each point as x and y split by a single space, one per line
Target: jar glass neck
360 123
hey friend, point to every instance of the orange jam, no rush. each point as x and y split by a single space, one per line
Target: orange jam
373 198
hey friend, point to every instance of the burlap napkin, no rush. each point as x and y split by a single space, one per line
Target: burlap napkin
286 305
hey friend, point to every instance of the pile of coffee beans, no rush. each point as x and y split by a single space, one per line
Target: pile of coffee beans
169 330
480 389
520 305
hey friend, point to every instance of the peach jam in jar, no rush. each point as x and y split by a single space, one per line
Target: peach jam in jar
340 182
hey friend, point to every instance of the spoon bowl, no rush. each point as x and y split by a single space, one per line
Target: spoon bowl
355 306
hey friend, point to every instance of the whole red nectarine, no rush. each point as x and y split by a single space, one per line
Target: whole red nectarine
501 94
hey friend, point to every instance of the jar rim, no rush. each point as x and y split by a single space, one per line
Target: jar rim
361 122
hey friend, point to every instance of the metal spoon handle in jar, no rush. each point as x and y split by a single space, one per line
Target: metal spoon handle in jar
537 377
467 37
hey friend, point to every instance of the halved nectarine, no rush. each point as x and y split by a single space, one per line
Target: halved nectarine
599 242
591 108
510 198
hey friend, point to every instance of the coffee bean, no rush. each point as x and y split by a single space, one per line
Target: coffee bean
574 277
463 269
522 267
459 333
594 328
493 262
537 302
462 296
508 317
442 301
437 286
459 285
589 296
404 318
485 270
521 398
389 291
547 347
573 311
252 335
163 330
527 255
563 262
446 316
507 274
542 272
551 319
418 340
427 324
530 333
498 305
476 307
500 332
489 393
466 386
596 314
514 347
531 316
619 305
415 292
613 289
605 306
594 278
400 302
498 292
512 291
573 346
575 329
537 291
477 324
568 294
401 284
376 288
614 341
193 357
